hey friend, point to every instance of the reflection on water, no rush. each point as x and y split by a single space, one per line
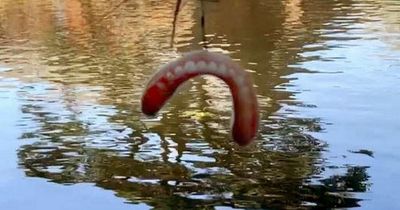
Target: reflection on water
77 71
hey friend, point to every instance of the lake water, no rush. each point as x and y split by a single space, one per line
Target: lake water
327 75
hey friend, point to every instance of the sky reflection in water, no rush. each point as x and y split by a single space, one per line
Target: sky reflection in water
70 82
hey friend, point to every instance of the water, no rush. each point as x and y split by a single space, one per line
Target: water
73 137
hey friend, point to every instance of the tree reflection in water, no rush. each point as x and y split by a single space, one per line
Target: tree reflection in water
84 122
168 172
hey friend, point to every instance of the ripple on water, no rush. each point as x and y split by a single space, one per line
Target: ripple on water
320 68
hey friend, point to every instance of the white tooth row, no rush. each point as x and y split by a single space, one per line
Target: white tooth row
212 67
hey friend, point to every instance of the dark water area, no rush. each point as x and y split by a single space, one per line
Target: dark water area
327 75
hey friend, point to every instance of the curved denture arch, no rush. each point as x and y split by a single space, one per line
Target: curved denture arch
164 83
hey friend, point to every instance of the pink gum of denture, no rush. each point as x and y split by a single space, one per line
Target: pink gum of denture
164 83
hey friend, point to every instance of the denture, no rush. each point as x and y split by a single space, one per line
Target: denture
163 84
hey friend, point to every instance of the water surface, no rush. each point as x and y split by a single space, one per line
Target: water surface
326 73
